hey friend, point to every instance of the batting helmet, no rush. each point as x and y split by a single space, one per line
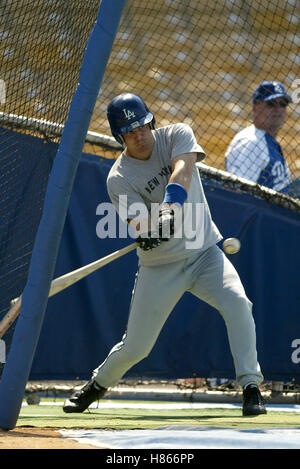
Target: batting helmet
125 113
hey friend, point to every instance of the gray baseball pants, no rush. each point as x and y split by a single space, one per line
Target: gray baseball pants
211 277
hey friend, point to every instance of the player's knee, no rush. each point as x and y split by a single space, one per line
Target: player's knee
236 304
242 303
135 352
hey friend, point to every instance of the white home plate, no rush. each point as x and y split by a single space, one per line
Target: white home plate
189 437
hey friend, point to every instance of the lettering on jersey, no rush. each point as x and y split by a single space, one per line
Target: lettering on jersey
165 171
154 182
279 172
129 114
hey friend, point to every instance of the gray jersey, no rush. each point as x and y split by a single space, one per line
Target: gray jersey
132 182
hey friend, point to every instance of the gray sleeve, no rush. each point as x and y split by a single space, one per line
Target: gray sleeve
125 199
184 141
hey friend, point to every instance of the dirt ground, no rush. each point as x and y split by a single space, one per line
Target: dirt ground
37 438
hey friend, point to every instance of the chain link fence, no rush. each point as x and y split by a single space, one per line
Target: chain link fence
199 62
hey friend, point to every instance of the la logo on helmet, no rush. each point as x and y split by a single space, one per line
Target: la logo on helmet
128 114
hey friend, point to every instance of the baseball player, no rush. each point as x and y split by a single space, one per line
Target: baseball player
177 249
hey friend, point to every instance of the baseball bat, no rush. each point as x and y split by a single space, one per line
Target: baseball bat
63 282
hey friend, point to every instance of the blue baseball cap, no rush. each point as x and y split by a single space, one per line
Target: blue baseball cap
268 90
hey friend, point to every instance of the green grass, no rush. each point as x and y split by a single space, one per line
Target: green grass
121 419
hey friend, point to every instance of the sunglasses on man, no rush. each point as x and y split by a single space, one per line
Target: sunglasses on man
276 103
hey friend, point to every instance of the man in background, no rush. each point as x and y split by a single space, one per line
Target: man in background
254 152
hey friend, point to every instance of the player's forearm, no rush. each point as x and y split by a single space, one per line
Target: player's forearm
182 170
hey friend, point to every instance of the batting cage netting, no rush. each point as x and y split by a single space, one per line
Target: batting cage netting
199 62
192 61
42 46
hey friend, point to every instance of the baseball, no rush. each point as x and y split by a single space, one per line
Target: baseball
231 245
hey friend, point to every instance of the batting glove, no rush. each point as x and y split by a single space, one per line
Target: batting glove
166 222
149 241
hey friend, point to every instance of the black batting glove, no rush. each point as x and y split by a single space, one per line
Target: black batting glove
148 241
166 222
